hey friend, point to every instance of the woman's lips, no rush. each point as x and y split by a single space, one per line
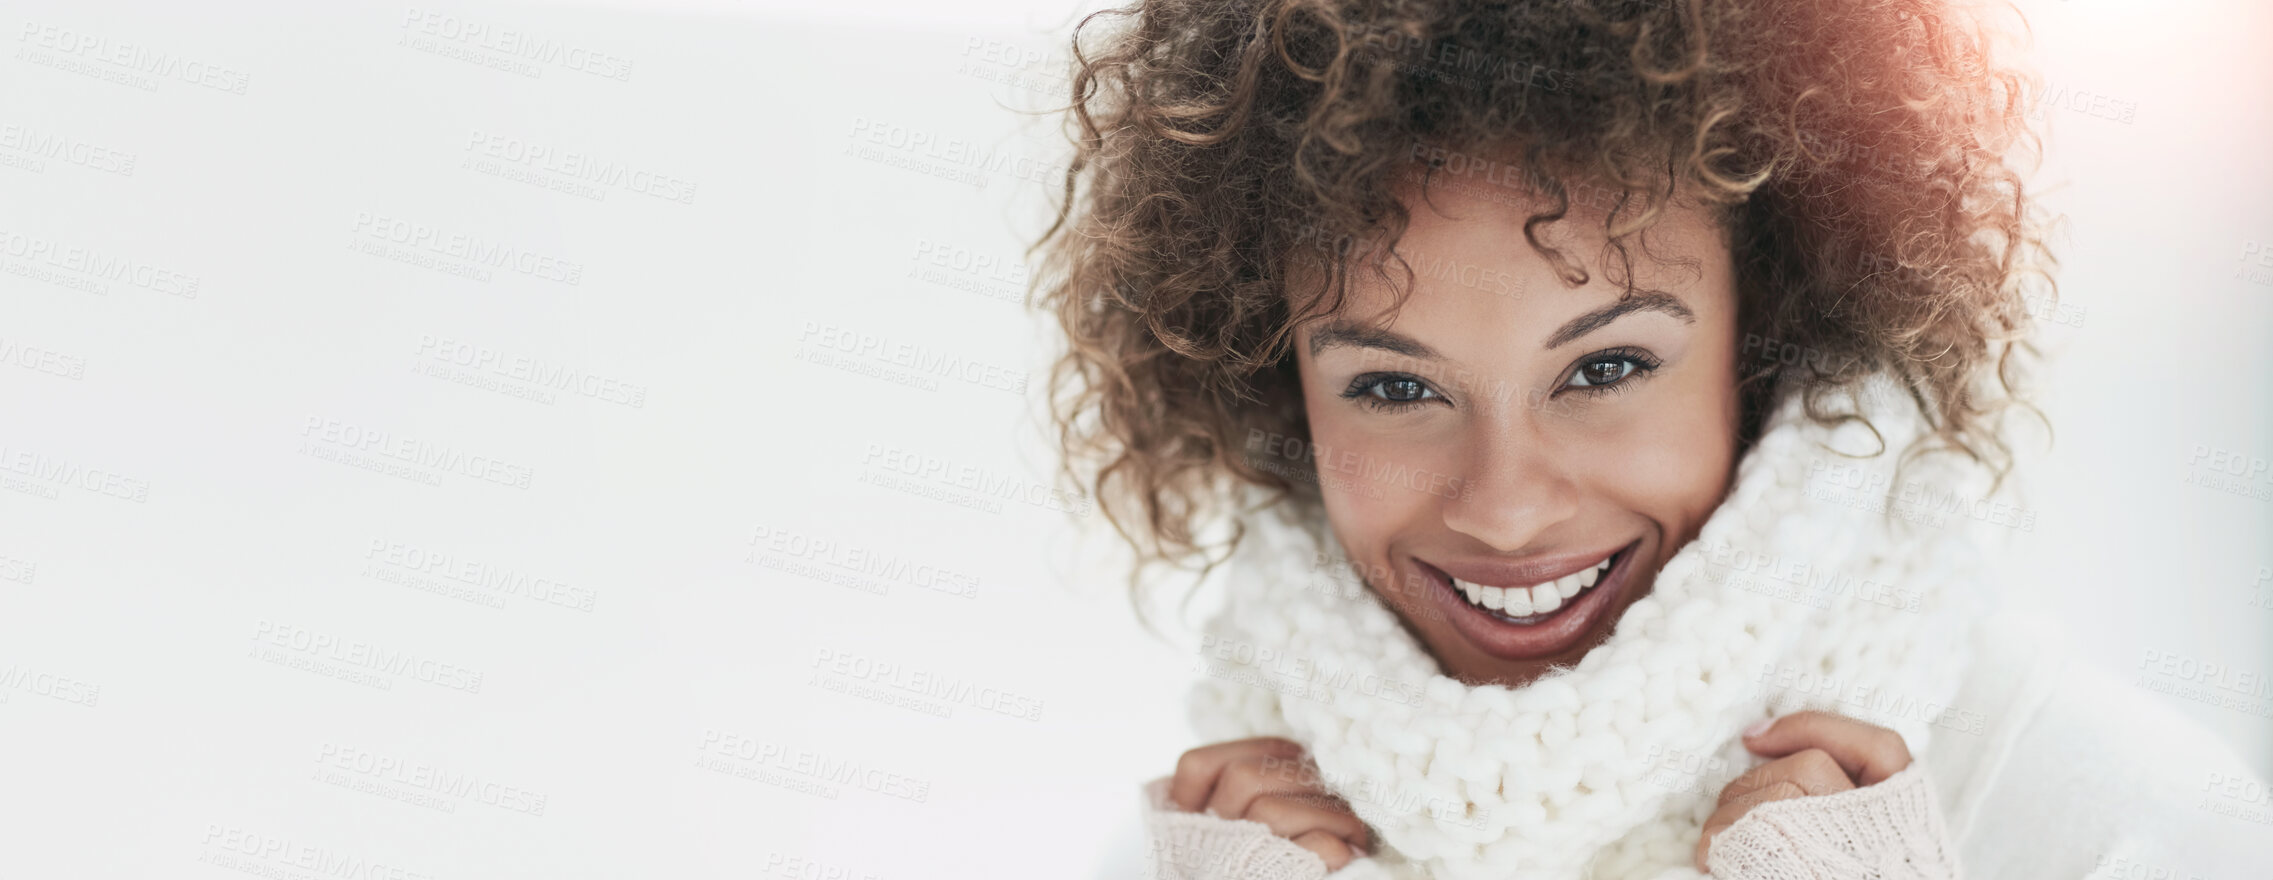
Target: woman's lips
1538 635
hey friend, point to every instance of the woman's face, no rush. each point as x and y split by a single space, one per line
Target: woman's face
1509 460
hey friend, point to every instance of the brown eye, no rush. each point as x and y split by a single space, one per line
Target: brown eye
1400 390
1390 391
1603 371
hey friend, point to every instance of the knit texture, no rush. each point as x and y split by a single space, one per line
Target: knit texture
1892 830
1804 589
1889 831
1200 846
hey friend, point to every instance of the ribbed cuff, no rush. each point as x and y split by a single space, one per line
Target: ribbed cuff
1889 831
1201 846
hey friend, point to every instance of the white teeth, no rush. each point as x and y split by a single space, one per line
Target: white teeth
1535 599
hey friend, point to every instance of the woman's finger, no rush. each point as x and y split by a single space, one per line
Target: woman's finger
1868 753
1813 772
1244 780
1805 773
1333 850
1197 770
1732 809
1295 817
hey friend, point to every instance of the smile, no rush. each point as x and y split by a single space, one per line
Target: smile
1530 604
1530 610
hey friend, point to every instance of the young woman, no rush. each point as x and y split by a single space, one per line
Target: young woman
1603 407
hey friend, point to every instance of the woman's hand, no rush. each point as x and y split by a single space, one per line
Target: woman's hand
1816 753
1272 781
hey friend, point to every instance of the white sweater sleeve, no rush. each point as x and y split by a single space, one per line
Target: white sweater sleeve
1203 846
1892 830
1200 846
2075 772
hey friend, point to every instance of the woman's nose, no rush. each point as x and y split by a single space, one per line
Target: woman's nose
1513 488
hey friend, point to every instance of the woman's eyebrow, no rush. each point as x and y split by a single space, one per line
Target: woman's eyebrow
1341 332
1644 301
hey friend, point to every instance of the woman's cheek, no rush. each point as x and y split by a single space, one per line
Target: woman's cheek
1670 466
1374 486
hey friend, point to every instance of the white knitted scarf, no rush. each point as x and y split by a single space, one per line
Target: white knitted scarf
1818 583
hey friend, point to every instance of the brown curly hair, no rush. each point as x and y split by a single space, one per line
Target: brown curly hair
1858 154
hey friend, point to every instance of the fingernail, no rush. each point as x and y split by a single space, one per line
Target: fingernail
1759 727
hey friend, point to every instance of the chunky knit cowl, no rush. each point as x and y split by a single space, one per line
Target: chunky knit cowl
1822 581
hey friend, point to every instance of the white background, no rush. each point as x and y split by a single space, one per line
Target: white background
181 539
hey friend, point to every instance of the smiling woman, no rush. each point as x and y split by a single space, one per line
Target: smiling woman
1594 429
1564 331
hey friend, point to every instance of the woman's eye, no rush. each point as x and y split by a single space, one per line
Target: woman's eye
1607 370
1401 390
1602 372
1391 391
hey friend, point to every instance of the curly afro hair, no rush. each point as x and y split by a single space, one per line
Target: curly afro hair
1859 155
